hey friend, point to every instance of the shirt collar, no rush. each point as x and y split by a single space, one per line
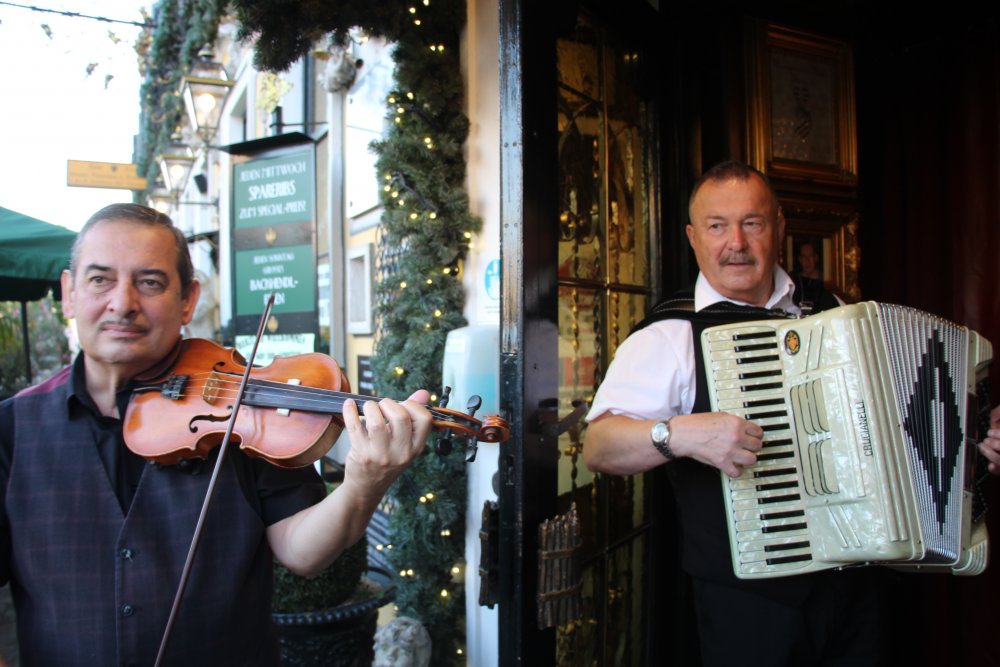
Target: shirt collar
77 393
78 386
784 287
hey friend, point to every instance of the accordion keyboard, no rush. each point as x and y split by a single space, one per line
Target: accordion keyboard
769 529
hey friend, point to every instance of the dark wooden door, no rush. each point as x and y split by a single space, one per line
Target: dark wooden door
579 173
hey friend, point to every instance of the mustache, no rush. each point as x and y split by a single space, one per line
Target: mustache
738 258
121 322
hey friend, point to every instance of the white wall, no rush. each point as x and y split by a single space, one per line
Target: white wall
481 281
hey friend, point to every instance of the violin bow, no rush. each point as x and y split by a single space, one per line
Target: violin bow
210 491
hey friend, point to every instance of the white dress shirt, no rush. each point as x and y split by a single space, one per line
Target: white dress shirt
653 373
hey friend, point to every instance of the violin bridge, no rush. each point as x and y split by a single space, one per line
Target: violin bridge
284 412
210 390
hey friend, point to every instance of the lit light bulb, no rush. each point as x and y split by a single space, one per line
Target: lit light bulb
176 173
205 103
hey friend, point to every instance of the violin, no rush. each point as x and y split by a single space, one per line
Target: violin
290 413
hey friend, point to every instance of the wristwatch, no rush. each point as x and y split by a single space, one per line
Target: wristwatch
660 435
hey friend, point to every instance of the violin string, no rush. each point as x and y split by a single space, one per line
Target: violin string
312 399
296 392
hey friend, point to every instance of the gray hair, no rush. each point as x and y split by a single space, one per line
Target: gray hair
732 170
140 215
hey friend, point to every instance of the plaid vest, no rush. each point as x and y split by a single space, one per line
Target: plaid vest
94 587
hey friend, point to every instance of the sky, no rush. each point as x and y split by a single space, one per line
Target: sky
52 111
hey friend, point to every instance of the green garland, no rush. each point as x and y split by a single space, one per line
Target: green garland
165 55
426 230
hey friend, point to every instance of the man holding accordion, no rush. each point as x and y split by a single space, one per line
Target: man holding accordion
654 409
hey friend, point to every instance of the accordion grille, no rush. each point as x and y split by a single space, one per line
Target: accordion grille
927 356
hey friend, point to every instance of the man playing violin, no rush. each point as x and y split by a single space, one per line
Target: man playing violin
93 538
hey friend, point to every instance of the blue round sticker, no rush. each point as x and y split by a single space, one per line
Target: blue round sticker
491 279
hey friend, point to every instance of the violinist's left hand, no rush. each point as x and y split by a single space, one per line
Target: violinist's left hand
990 446
392 435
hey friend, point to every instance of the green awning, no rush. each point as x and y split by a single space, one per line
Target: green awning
32 256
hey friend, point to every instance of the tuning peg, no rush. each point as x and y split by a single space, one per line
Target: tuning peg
443 446
475 402
472 449
445 397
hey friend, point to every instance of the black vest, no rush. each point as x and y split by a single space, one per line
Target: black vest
94 587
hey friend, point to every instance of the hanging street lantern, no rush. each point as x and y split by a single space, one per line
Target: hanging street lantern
204 91
176 163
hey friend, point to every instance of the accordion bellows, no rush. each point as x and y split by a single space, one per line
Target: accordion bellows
870 418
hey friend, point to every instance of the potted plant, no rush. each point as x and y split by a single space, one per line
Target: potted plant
330 619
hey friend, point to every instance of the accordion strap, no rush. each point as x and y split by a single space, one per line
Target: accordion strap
680 306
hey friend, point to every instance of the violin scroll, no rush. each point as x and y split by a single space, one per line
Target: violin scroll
492 429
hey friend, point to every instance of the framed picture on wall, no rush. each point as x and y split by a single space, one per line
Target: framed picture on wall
821 244
801 120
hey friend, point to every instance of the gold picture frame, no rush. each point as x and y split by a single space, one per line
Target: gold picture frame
833 233
801 118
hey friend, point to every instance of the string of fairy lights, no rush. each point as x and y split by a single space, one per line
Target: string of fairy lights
428 231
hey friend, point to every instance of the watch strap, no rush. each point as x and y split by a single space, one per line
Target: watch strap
663 447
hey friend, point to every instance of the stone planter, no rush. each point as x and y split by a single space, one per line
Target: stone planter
341 636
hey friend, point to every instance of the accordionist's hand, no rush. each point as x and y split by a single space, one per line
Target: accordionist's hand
990 447
724 441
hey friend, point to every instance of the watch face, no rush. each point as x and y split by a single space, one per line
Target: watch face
660 432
